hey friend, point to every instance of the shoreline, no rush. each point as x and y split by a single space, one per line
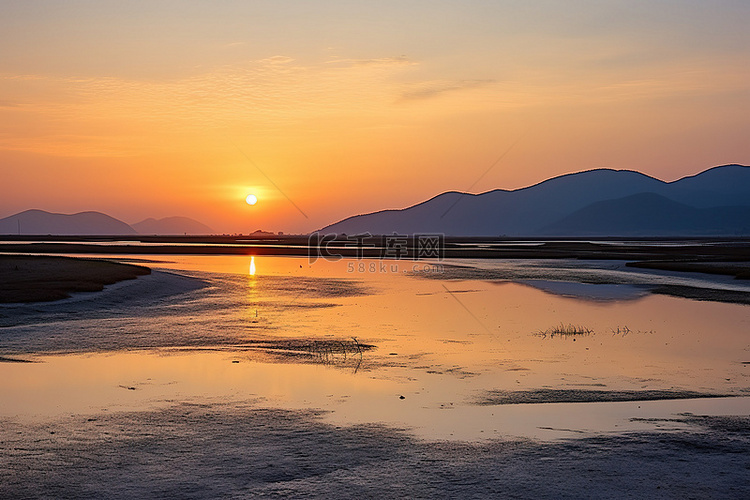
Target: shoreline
35 278
647 249
50 282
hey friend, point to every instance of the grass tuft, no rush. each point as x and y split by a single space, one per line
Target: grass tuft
564 330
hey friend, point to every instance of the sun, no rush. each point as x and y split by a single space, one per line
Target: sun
251 199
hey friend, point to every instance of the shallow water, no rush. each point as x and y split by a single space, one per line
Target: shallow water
443 345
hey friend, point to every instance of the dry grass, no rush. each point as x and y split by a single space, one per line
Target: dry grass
563 330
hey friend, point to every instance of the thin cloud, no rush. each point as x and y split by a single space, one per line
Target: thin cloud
384 61
274 60
435 89
90 115
380 61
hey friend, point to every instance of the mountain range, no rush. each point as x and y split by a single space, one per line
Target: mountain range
40 222
601 202
171 226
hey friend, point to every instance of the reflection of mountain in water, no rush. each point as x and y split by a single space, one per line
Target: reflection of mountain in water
595 280
588 291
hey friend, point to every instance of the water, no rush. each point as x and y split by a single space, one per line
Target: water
446 338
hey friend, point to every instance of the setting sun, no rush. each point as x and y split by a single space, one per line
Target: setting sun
251 199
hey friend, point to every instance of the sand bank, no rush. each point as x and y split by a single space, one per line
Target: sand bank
38 279
662 249
215 451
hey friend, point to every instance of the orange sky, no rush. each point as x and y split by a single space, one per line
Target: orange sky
183 108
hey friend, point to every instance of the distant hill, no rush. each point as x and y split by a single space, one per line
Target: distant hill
39 222
172 226
571 205
648 214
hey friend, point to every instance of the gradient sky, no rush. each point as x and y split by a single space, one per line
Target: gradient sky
160 108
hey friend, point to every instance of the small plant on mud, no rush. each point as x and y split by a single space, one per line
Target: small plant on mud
564 330
621 330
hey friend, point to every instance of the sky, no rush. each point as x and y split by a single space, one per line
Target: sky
333 108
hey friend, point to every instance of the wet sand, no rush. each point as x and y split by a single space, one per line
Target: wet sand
222 451
40 279
541 396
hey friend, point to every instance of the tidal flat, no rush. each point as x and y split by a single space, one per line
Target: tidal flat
222 376
32 278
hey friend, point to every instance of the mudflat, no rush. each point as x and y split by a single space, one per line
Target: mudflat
27 278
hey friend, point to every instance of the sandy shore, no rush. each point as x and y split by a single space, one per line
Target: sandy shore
220 451
40 279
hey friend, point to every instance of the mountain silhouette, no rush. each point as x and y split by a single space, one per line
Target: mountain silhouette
40 222
649 214
172 226
537 210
